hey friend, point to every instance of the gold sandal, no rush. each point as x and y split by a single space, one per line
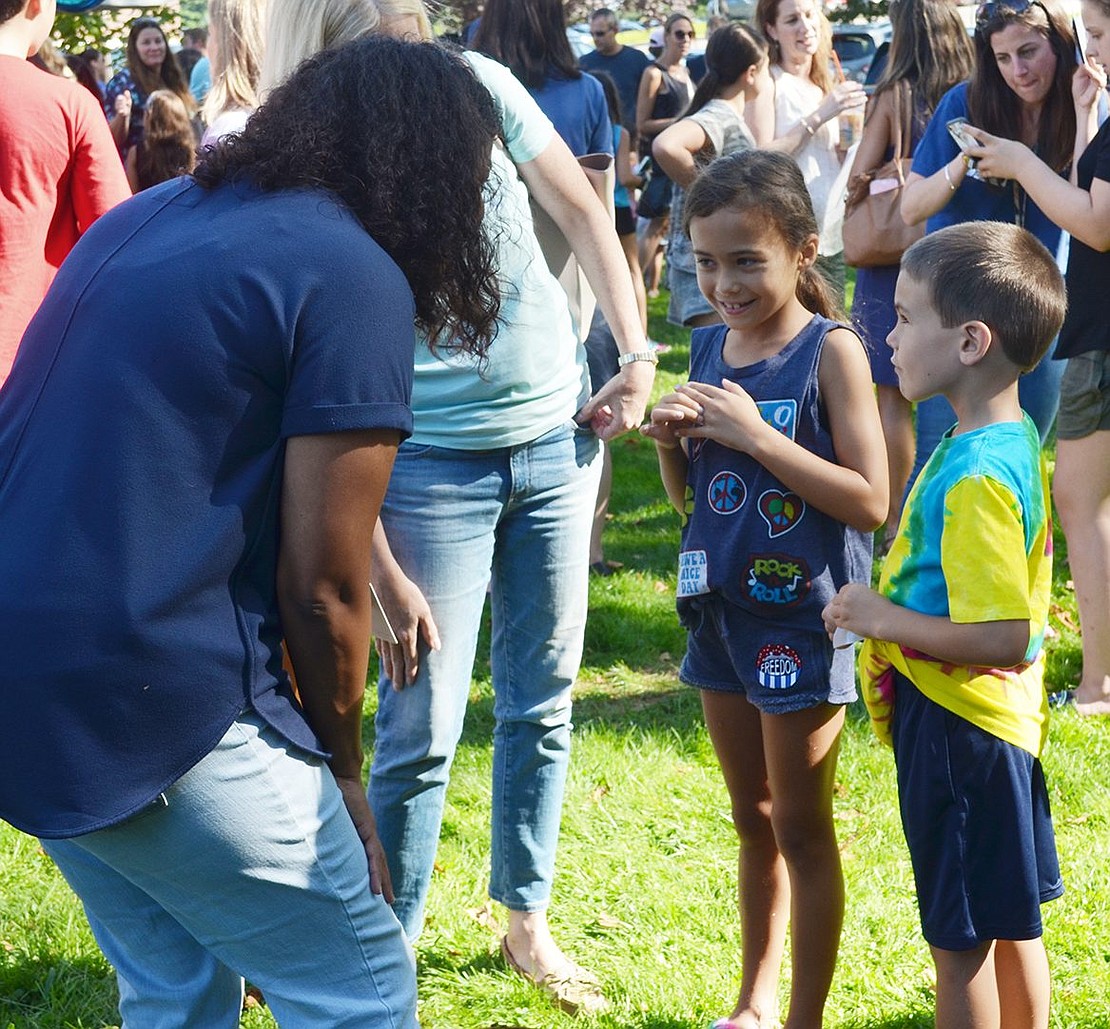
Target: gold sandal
573 988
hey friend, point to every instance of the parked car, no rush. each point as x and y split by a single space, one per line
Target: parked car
856 46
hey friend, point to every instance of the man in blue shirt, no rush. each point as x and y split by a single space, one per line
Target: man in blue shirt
624 64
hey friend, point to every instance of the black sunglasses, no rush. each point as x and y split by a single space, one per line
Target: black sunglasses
598 33
995 10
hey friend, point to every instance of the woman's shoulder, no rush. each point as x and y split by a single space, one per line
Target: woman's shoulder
953 103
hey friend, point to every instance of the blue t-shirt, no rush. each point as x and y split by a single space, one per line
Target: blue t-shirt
200 80
625 68
974 200
579 113
142 437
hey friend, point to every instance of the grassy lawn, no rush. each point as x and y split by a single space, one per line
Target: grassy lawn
646 888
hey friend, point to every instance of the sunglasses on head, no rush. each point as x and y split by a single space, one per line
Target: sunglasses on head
999 10
682 34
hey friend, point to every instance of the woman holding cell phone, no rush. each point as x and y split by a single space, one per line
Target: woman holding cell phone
1025 57
1081 485
929 53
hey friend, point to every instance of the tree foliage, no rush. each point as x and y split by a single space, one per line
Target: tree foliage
105 29
453 14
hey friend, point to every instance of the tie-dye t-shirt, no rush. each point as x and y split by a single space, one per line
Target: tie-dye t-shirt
974 545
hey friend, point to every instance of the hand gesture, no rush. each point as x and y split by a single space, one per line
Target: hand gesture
354 799
123 104
845 96
725 413
619 405
857 609
997 158
411 617
671 416
1087 84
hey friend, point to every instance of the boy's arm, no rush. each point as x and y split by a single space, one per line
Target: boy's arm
986 575
981 644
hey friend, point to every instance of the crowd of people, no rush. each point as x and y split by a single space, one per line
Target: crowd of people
373 370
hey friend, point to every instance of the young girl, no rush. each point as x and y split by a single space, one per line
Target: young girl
773 453
712 126
168 146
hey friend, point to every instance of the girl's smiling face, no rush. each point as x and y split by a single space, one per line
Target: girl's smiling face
746 269
1026 61
150 45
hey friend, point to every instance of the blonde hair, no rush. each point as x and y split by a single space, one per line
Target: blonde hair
299 29
238 32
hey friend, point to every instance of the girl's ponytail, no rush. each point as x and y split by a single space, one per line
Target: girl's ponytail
815 294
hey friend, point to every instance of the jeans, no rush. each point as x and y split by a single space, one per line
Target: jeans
516 518
1039 391
251 867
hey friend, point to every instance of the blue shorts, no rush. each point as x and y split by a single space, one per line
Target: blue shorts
778 670
976 818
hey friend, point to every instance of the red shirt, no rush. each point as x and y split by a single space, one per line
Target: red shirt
59 172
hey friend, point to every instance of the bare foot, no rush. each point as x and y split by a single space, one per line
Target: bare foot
1095 707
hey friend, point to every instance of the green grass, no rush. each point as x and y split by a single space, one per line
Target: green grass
645 893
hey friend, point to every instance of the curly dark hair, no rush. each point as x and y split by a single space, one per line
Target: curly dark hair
402 133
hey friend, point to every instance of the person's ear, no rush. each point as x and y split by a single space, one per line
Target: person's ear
807 254
976 342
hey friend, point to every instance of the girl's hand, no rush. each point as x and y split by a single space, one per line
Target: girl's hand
726 413
123 104
845 96
1087 84
671 417
857 609
998 158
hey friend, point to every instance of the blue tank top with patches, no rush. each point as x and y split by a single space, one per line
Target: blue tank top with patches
746 537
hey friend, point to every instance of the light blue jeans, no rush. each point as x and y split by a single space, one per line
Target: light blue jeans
1039 392
251 867
518 519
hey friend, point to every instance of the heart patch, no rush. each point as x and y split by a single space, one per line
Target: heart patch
781 511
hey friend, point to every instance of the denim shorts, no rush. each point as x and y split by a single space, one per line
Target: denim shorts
778 670
976 817
686 302
1084 396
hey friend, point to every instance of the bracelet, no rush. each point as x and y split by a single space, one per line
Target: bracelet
637 355
948 179
806 125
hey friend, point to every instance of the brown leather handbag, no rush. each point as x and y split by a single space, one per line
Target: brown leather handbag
874 233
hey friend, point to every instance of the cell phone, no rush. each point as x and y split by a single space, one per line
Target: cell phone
642 167
1080 58
957 129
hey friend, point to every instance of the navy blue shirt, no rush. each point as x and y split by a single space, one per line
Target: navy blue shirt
142 437
626 68
748 538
